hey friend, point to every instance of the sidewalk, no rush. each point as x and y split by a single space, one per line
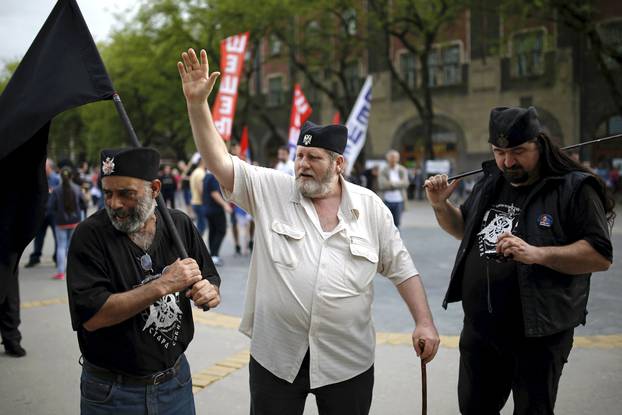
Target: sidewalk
47 380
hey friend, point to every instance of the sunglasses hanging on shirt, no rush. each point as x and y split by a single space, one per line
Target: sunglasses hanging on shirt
145 263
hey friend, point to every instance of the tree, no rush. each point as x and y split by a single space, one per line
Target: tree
582 17
321 39
6 73
415 24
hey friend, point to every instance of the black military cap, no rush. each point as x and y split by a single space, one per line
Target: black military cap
141 162
511 127
332 137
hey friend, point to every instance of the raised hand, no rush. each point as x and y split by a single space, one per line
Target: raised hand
196 80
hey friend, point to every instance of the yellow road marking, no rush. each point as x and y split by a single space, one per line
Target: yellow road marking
213 319
43 303
219 371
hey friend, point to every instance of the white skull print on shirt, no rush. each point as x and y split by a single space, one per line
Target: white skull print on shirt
500 218
163 320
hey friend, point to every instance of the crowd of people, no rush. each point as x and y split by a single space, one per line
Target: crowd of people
522 271
187 186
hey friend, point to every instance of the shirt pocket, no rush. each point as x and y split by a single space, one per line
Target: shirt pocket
362 264
286 244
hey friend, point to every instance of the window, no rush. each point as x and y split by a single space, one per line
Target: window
433 68
451 65
353 80
275 45
611 35
614 125
275 91
408 69
444 65
528 53
350 18
610 126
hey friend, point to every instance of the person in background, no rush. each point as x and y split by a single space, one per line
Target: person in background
371 178
216 209
48 221
66 204
184 184
95 192
392 182
169 186
284 163
234 150
196 190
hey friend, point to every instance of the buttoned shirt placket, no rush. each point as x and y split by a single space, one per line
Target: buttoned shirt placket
322 271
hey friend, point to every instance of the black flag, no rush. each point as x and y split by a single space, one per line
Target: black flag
61 70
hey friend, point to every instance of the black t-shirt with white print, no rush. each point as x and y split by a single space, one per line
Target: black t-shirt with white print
103 261
490 294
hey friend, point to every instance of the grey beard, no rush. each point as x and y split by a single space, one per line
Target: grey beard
312 188
137 216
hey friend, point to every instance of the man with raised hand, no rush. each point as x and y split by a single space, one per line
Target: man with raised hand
319 242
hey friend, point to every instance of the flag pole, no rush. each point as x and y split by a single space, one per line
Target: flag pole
166 215
571 147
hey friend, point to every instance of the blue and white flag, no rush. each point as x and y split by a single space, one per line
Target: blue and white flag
357 125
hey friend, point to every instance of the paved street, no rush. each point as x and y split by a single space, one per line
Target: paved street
46 381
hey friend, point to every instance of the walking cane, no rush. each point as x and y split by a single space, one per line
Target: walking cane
424 382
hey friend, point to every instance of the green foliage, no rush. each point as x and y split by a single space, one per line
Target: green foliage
140 58
6 72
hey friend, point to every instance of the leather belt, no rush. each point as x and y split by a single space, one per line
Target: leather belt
123 378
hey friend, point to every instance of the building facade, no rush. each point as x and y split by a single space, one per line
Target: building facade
478 62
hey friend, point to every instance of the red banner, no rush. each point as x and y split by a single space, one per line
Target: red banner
336 118
245 151
301 110
232 52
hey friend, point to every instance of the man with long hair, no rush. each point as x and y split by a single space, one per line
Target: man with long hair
535 227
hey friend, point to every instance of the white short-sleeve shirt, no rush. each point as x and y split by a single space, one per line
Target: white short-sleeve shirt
309 289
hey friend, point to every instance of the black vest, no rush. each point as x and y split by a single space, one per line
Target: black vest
551 301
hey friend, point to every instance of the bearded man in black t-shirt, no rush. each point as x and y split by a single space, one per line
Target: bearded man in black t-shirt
129 294
535 227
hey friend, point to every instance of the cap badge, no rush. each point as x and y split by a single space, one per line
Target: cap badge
108 166
306 140
502 140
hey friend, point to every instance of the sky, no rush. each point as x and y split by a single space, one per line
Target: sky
21 20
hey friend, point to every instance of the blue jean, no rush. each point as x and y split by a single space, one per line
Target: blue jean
199 211
106 397
396 209
63 237
40 238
